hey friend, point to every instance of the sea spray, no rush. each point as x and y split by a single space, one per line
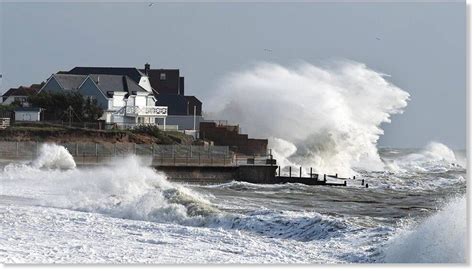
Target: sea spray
331 114
439 239
53 156
435 157
129 188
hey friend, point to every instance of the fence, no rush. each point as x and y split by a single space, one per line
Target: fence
94 153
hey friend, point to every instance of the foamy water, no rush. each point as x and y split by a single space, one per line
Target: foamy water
327 118
51 211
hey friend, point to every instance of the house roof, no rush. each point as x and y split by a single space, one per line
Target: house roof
110 83
20 91
69 81
27 109
170 85
132 73
192 100
105 82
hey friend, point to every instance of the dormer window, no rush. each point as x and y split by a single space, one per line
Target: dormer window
162 76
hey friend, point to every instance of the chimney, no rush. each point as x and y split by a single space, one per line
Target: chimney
147 68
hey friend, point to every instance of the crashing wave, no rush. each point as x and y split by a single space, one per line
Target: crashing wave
439 239
331 115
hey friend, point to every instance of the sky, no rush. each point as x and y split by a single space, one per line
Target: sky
422 46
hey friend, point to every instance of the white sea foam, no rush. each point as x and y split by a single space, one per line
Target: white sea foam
435 157
439 239
331 114
54 156
161 216
131 189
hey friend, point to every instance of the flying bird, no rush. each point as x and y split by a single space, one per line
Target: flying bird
268 50
377 38
151 4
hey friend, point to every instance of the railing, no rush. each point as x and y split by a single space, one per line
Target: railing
94 153
146 111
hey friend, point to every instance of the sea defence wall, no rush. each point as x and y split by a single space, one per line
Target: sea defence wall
243 173
179 163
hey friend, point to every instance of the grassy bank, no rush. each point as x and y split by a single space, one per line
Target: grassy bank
44 132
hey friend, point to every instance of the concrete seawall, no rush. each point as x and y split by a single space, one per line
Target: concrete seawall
244 173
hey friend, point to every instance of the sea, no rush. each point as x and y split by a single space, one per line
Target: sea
414 211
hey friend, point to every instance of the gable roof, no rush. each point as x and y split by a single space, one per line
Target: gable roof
106 83
69 81
20 91
110 83
132 73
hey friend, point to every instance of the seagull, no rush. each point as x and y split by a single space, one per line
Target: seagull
377 38
268 50
151 4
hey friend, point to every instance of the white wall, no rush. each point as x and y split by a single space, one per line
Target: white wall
27 116
145 83
118 100
140 100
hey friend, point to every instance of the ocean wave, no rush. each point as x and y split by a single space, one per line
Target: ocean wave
130 189
441 238
325 117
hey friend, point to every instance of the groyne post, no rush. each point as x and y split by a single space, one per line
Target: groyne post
311 172
363 181
300 172
324 179
278 171
290 171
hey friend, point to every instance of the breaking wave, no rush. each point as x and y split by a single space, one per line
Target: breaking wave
439 239
325 117
434 158
54 156
131 189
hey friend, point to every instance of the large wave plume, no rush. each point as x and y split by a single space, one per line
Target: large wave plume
327 117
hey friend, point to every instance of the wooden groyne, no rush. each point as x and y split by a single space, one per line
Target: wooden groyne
314 178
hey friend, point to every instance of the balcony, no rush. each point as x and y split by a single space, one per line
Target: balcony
145 111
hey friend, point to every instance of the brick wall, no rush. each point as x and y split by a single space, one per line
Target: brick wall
229 136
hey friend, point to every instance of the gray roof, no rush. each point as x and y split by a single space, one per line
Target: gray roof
70 81
110 83
107 83
133 73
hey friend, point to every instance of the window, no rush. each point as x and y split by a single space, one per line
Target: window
162 76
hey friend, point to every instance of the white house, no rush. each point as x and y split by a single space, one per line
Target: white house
125 103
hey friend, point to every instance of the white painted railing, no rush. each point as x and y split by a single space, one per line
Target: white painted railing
155 111
147 111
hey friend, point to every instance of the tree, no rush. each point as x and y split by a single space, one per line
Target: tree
91 111
56 106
